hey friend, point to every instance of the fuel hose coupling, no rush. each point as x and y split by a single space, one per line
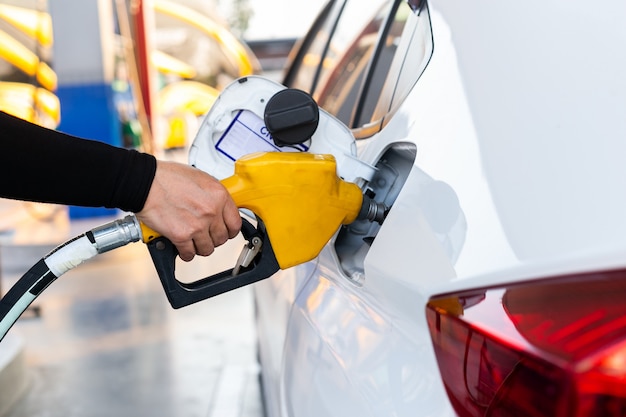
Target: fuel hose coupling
115 234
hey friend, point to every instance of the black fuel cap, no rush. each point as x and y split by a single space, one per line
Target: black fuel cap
291 116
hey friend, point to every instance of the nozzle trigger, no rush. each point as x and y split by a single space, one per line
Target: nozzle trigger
248 253
257 262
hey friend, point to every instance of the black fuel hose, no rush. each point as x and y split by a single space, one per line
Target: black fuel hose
63 258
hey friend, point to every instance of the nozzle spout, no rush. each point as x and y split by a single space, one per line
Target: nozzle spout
372 210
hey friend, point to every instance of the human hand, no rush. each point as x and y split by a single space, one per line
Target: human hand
190 208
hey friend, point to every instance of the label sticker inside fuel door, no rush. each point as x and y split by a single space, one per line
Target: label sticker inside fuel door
247 134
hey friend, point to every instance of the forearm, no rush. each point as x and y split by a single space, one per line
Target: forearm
39 164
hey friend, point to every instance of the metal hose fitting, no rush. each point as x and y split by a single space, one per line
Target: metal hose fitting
115 234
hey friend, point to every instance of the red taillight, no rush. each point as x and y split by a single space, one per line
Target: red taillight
545 348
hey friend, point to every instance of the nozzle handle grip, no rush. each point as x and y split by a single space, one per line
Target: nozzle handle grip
180 294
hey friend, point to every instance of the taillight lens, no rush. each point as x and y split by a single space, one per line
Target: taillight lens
550 348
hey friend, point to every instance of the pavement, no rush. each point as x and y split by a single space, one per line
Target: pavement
103 340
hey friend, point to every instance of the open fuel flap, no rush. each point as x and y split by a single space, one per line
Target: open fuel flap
354 240
256 114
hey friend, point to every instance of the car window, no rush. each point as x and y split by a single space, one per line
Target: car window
415 50
328 42
305 66
369 67
339 92
353 23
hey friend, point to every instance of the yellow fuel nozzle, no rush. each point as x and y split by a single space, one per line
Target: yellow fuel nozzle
299 198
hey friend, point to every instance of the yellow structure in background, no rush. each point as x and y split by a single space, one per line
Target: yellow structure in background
20 56
168 65
37 25
239 55
180 101
186 95
35 103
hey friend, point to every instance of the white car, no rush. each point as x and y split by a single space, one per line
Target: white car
496 285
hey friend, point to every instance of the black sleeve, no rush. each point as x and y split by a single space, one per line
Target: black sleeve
44 165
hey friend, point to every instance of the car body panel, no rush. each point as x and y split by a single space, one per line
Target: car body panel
518 132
